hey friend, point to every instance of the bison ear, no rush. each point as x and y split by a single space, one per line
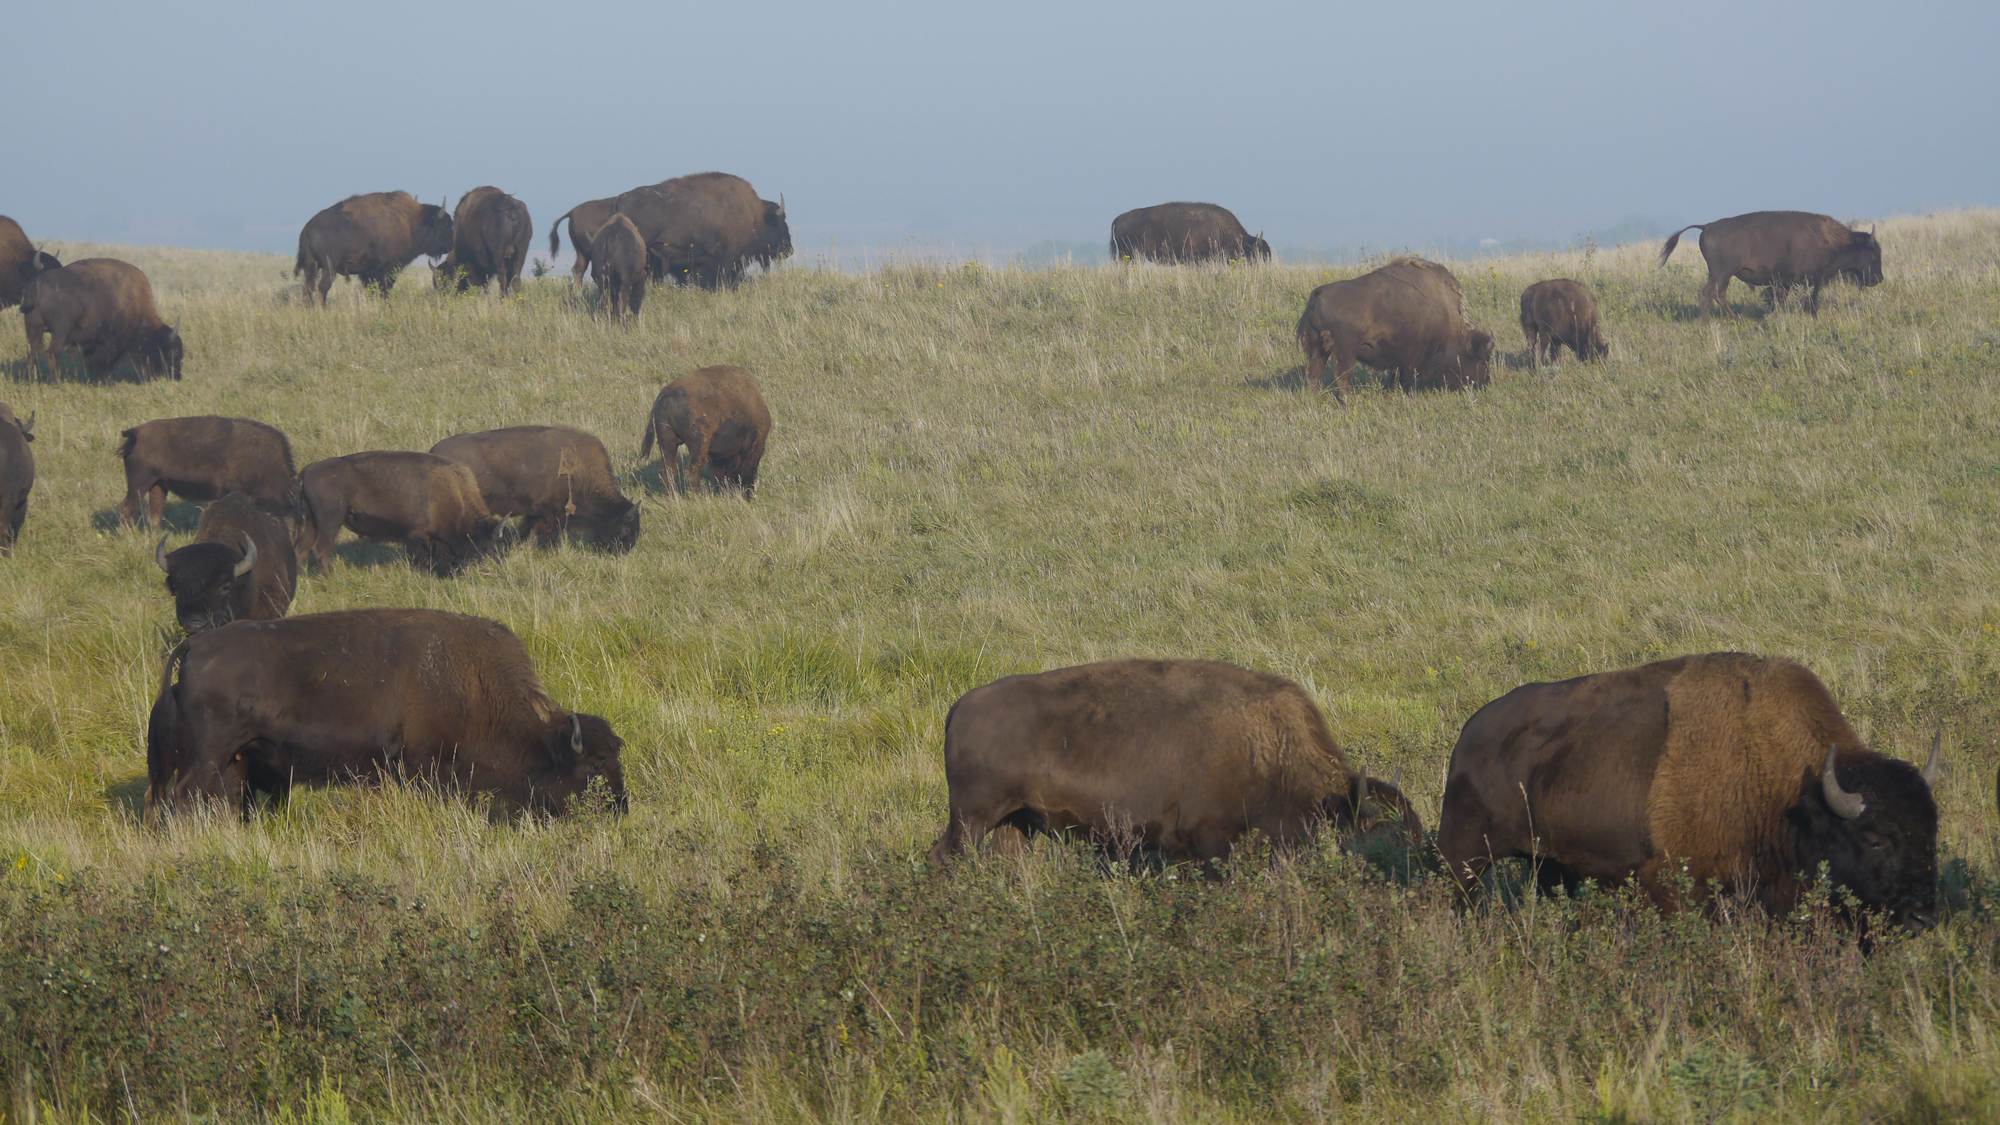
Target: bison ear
27 428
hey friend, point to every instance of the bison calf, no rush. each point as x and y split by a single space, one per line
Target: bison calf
20 262
1560 312
17 475
430 505
240 567
558 480
204 457
719 414
1408 318
618 262
585 220
103 308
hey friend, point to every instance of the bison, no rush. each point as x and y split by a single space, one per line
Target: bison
557 479
1560 312
1737 770
430 505
104 308
1184 232
20 262
17 475
490 233
368 694
370 237
585 220
1178 757
240 567
719 414
618 262
204 457
1780 249
707 227
1408 318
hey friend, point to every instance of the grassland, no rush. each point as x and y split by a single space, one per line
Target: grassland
976 471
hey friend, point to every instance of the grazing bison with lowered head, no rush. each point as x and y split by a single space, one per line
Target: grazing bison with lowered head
557 479
239 567
430 505
1780 249
1178 757
370 237
1408 318
490 233
1738 769
585 219
1184 232
203 458
707 227
364 695
1560 312
719 414
618 263
104 308
20 262
17 475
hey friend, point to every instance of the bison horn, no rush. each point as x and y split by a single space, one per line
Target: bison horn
781 205
28 427
249 556
1934 770
160 553
1361 793
575 735
1846 805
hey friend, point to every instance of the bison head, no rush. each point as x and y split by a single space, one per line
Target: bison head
1371 814
36 264
582 748
433 230
618 531
1860 261
27 428
1873 822
212 583
774 236
1256 249
159 352
447 272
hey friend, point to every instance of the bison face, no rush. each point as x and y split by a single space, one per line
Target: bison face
211 582
433 231
774 241
160 353
1861 262
580 751
619 532
1372 816
1257 249
1874 825
1475 367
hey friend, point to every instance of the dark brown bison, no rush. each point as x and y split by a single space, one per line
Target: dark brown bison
1408 318
370 237
1178 757
719 414
1734 769
707 227
1780 249
1557 313
20 262
430 505
104 308
618 263
1185 232
203 458
239 567
364 695
558 480
17 475
585 219
490 233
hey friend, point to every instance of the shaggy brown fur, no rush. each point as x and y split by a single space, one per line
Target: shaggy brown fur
239 567
618 262
490 232
719 414
204 457
104 308
20 262
371 237
17 475
1185 232
585 219
1408 318
1780 249
1557 313
430 505
707 227
557 479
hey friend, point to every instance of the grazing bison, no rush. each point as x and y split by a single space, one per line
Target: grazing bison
17 474
719 414
1560 312
1780 249
490 233
1741 768
618 263
204 457
104 308
239 567
1184 232
1408 318
370 237
430 505
1180 757
585 220
368 694
557 479
707 227
20 262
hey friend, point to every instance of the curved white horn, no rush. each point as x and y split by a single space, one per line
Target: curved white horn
249 557
160 553
781 205
1934 770
575 735
1846 805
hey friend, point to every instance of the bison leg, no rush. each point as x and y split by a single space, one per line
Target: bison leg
156 504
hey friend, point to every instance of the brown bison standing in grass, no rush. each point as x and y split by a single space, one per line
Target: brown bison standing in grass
1185 232
239 567
1408 318
1780 249
104 308
20 262
204 457
719 414
430 505
490 233
370 237
707 227
1560 312
557 479
585 219
17 475
618 263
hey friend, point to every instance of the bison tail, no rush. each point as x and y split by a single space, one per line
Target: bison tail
646 441
131 442
303 259
555 240
1674 240
162 728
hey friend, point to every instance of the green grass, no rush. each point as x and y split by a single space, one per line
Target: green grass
974 472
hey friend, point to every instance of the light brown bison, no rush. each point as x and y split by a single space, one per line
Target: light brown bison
1408 318
707 227
558 480
1185 232
1557 313
1780 249
719 414
204 457
1178 757
490 232
103 308
365 695
430 505
17 475
239 567
20 262
585 219
1734 769
618 263
370 237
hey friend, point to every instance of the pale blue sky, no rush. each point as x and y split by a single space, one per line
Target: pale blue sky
989 127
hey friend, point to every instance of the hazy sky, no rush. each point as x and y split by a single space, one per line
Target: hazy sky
992 126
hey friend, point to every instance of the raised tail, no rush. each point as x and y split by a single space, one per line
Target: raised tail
162 729
1674 240
555 240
